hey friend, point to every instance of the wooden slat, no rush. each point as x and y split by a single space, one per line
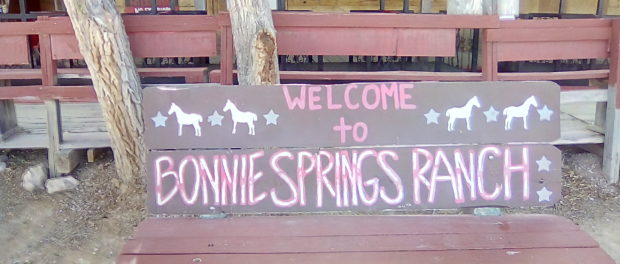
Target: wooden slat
552 50
143 23
151 44
523 256
358 243
550 76
548 34
20 74
215 75
378 20
14 50
325 225
547 23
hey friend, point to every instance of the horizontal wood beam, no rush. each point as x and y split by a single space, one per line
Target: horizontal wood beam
548 34
35 93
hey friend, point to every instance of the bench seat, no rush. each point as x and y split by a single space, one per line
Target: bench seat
523 239
215 76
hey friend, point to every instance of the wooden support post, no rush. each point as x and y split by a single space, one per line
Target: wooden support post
93 153
8 119
54 133
489 64
227 53
52 106
611 156
68 159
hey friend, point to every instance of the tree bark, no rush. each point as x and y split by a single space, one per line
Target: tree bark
254 37
104 45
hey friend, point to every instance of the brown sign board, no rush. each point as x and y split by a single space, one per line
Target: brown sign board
362 114
352 179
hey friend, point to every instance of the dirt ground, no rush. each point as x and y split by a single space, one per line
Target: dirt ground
89 224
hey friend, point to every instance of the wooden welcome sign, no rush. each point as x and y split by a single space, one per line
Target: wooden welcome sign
352 147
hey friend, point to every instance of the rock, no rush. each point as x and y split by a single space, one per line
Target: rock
60 184
4 158
34 177
2 166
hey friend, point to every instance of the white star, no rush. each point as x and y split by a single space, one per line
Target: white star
543 164
491 114
271 117
159 120
545 113
431 117
544 195
215 118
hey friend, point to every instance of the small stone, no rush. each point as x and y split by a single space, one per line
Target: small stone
2 166
34 177
60 184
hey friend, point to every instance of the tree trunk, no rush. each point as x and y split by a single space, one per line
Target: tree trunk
254 37
104 44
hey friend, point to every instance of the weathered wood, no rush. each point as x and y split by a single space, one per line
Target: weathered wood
54 134
611 156
104 45
68 159
93 153
19 54
255 42
8 119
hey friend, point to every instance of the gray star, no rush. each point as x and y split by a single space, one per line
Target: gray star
159 120
543 164
544 195
545 113
215 118
271 117
491 114
431 117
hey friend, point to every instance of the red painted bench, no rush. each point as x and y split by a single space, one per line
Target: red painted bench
565 39
363 34
225 151
149 36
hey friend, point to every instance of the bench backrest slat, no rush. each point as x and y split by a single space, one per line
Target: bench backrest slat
19 53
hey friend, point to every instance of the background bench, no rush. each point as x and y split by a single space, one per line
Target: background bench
566 39
363 34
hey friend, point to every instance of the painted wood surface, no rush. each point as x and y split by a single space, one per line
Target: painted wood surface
529 239
359 179
364 114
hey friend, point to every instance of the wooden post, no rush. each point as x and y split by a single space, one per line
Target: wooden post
52 106
255 42
427 7
104 45
8 119
611 155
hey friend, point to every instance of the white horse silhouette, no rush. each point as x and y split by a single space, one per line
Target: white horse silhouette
462 113
186 119
519 111
240 117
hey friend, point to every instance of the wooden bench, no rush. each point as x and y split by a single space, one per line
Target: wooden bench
222 152
565 39
363 34
149 36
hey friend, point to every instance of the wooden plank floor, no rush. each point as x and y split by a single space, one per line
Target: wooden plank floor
527 239
84 127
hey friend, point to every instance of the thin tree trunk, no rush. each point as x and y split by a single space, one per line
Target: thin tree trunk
254 37
104 44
